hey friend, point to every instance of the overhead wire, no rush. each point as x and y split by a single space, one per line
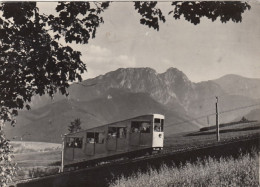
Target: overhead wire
204 116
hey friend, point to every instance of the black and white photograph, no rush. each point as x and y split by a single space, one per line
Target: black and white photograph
129 93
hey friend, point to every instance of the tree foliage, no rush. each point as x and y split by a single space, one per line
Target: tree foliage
34 60
75 126
7 167
194 11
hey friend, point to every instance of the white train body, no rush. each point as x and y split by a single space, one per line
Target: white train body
127 136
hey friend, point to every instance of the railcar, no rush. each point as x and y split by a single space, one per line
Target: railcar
138 135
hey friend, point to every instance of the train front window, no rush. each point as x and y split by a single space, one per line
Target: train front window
140 127
158 125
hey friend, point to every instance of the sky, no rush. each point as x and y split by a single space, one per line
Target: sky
203 52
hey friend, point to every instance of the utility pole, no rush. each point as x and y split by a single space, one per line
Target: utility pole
208 120
217 120
62 153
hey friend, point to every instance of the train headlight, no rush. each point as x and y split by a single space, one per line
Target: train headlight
160 135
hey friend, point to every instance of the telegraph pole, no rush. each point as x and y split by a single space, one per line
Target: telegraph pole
217 120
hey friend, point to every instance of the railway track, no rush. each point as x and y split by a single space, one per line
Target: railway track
167 152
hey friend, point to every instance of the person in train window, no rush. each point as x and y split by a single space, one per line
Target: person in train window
91 140
71 142
145 127
101 138
157 128
121 133
136 130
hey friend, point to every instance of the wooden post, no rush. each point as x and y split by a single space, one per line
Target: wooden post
62 155
217 121
208 120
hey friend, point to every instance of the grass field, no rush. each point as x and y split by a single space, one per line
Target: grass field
243 171
35 158
28 147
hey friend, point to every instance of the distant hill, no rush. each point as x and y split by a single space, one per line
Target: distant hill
238 85
253 115
129 92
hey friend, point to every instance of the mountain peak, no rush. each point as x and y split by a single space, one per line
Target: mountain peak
174 75
172 69
140 69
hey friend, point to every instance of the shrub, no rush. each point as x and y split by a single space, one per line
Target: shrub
40 172
208 172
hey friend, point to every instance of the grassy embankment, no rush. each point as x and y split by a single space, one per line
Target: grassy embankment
182 140
243 171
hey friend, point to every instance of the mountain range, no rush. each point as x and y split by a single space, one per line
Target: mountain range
129 92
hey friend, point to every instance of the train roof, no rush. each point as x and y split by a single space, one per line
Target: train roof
155 115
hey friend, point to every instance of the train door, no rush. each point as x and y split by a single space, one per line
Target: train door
140 133
94 143
121 138
135 133
146 135
90 143
111 139
73 144
69 149
116 139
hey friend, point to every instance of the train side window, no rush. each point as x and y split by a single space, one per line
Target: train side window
99 138
90 137
95 137
74 142
135 127
145 127
112 132
121 132
117 132
78 142
69 142
140 127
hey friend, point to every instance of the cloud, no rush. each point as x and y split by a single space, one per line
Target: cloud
101 60
94 50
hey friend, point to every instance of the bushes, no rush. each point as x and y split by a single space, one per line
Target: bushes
208 172
40 172
34 172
